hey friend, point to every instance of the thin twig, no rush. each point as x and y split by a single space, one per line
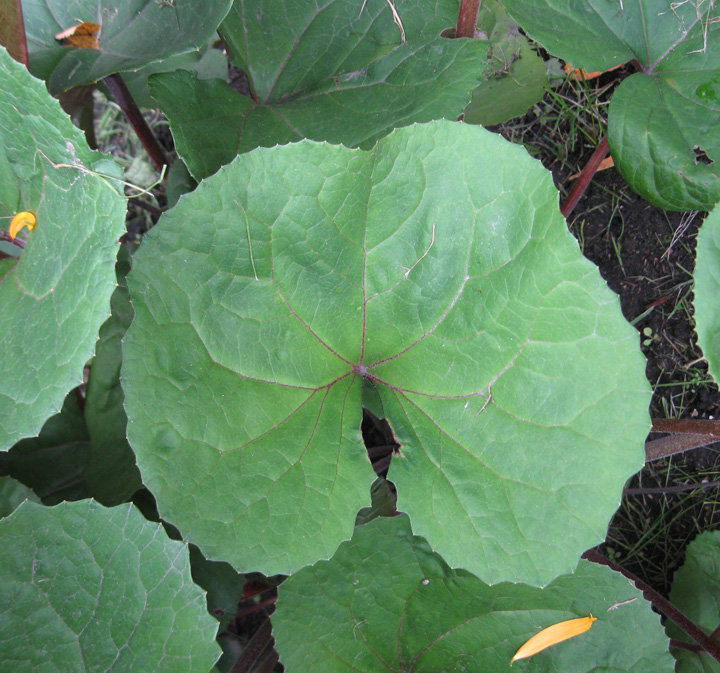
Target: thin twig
670 489
663 605
587 173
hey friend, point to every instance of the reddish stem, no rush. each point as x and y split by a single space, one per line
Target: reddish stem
467 18
699 426
124 99
581 184
4 236
663 605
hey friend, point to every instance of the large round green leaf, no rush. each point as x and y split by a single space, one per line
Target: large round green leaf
54 299
342 72
707 291
385 602
133 33
435 278
664 122
84 588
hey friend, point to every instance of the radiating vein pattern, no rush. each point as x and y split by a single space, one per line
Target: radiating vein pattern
436 266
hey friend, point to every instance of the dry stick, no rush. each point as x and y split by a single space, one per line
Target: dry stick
587 173
670 489
124 99
669 446
261 640
688 434
663 605
687 425
467 18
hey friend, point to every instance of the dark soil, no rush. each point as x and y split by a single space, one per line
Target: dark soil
647 256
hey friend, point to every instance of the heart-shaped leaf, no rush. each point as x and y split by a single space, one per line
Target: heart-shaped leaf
84 588
342 72
57 295
664 121
131 34
432 277
386 602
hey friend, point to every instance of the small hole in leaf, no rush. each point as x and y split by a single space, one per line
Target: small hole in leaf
700 156
448 33
380 442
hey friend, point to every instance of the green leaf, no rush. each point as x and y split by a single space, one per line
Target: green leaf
664 122
12 493
207 62
57 296
224 589
707 291
53 463
133 33
387 602
179 182
111 474
696 593
437 268
86 588
337 72
516 75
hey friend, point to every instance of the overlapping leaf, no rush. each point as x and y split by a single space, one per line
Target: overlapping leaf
103 589
132 34
707 291
664 121
53 463
110 473
516 76
696 593
434 272
386 602
57 295
342 72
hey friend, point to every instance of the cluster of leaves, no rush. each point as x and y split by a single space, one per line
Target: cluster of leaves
345 249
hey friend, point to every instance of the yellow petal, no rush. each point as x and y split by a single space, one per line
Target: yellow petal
21 220
554 634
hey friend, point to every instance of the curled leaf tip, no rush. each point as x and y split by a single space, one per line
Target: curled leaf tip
552 635
23 219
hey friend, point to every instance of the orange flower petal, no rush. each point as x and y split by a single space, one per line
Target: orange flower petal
552 635
21 220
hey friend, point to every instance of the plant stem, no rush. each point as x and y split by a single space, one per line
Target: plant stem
4 236
581 184
467 18
663 605
124 99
